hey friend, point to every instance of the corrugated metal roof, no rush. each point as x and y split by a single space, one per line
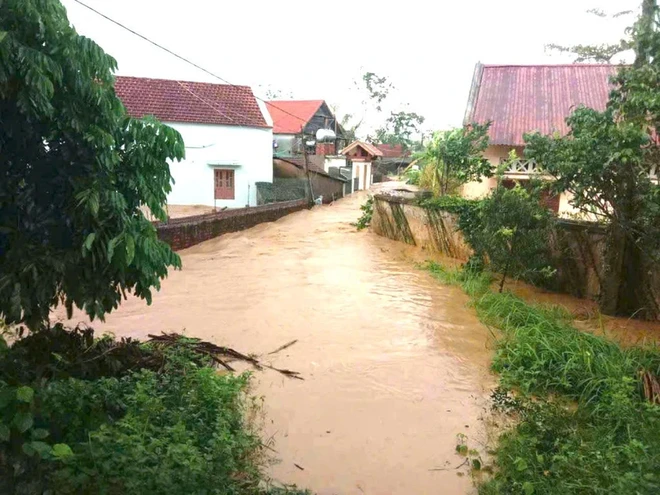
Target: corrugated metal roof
290 115
392 150
524 98
194 102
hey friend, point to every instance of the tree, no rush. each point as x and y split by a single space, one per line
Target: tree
456 156
378 88
512 231
605 162
399 128
75 170
600 53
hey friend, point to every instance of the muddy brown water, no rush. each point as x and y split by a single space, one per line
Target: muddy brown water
395 364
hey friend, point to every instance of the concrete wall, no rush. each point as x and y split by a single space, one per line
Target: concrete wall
578 247
433 230
185 232
246 150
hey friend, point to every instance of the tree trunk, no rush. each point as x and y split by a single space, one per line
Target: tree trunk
627 285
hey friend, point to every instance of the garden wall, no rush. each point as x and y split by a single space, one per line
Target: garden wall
577 247
181 233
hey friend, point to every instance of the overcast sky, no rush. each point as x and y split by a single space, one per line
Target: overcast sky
317 49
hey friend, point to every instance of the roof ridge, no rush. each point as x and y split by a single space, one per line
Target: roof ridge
490 66
241 86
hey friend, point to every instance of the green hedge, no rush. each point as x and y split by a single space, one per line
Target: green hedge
80 415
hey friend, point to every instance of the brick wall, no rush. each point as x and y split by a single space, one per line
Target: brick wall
181 233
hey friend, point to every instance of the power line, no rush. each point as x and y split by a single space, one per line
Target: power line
180 57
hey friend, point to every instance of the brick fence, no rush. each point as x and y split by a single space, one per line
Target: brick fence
181 233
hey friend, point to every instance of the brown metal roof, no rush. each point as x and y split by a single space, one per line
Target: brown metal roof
524 98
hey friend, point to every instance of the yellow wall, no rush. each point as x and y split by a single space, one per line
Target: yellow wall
494 154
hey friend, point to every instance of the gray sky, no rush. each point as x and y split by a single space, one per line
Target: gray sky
315 50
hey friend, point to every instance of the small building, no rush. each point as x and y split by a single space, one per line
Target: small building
228 137
360 157
290 180
296 126
394 161
520 99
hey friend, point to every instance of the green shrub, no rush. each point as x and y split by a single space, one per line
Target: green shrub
99 416
583 423
367 214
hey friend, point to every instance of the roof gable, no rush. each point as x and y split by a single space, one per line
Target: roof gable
290 115
369 148
191 102
527 98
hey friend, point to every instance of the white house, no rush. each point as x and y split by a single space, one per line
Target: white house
227 134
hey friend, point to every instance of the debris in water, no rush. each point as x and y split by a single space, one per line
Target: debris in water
285 346
299 466
216 351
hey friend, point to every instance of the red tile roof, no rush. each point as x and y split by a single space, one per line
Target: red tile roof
392 150
289 115
521 99
194 102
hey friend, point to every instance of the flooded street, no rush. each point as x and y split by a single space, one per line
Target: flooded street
395 364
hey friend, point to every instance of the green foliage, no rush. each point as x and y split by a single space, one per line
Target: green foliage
378 88
456 156
412 176
149 419
588 428
602 53
605 162
510 229
399 128
473 282
582 422
367 213
75 170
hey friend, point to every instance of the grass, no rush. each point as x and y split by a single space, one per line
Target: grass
583 423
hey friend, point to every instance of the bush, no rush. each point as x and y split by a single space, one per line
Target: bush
99 416
584 420
367 213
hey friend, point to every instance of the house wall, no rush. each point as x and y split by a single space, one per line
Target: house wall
328 187
494 154
286 144
358 172
246 150
333 161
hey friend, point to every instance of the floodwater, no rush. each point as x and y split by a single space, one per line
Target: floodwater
395 364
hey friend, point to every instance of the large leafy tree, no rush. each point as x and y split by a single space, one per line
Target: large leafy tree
74 171
606 160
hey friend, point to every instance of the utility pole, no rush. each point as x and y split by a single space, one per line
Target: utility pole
309 179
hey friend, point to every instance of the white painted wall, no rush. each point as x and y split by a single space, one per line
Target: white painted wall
246 150
333 161
358 171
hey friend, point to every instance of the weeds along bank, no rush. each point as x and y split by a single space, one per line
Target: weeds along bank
586 411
